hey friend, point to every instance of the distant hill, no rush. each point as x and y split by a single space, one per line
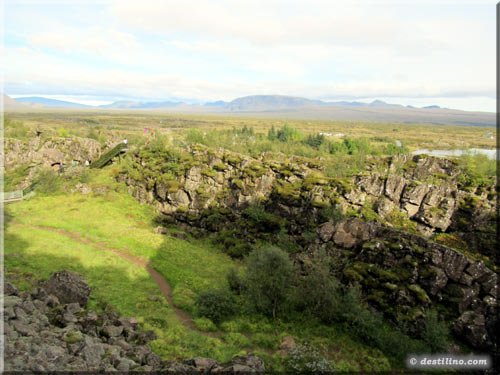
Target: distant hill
37 101
9 103
382 104
218 103
126 104
277 102
278 106
270 102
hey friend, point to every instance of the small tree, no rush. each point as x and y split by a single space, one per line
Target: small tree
271 134
319 291
287 134
268 278
315 140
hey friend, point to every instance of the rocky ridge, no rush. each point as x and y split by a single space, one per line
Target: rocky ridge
427 193
48 152
49 329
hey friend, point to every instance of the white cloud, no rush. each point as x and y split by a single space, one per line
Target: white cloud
94 40
222 49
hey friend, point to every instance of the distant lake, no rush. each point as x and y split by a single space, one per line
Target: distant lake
490 153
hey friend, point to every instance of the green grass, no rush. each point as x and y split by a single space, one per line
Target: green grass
32 253
102 125
112 219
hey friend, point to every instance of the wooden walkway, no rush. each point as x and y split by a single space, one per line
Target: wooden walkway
106 158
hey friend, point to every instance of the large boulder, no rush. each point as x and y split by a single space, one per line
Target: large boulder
472 326
352 232
68 287
249 363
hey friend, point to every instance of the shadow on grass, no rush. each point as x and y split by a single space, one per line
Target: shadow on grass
32 254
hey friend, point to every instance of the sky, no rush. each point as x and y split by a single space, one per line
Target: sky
98 51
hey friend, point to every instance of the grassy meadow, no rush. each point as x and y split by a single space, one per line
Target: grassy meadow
104 124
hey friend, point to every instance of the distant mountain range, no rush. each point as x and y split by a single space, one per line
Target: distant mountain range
125 104
245 103
38 101
285 107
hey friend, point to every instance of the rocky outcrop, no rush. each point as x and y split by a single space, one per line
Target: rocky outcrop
430 191
45 334
48 152
404 274
426 192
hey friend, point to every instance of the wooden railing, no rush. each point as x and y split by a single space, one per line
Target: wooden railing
18 195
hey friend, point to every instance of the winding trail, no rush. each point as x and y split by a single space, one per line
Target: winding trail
163 285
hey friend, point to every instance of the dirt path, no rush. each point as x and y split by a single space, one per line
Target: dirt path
164 286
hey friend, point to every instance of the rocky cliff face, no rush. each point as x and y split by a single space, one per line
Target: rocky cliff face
425 194
404 275
49 330
49 152
433 194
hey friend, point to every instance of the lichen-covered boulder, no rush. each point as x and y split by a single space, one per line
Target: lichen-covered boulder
351 232
68 287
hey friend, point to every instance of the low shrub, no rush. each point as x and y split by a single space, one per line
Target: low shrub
436 333
235 281
216 305
261 220
305 358
205 324
47 181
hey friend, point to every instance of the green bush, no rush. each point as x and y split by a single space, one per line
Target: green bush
15 129
285 134
271 134
351 146
318 291
436 333
370 326
205 324
478 168
235 282
261 220
393 149
315 140
215 304
332 213
62 132
246 131
268 277
47 181
307 359
14 177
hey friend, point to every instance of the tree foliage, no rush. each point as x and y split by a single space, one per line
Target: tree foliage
268 280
